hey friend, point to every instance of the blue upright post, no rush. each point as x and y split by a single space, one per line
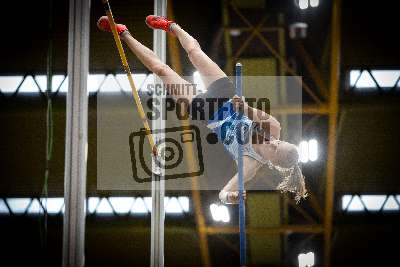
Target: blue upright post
242 208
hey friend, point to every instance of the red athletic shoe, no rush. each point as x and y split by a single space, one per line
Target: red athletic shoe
158 22
104 25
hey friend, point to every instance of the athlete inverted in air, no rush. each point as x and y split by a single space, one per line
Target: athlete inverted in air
261 129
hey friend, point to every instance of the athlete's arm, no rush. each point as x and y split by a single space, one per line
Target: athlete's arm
229 194
267 121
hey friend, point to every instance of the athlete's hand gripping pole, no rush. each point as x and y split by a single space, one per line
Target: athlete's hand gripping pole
125 64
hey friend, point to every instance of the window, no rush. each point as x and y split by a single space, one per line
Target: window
8 84
220 213
18 205
372 80
3 207
53 205
370 203
95 83
95 205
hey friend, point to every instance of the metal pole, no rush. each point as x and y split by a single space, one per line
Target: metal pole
76 134
158 183
242 208
332 128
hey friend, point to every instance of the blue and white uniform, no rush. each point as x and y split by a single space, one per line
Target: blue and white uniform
234 129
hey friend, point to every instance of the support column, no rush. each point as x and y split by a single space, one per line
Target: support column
282 89
158 183
333 113
174 54
76 134
227 37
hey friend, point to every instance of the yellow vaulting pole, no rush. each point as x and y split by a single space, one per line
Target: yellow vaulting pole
129 74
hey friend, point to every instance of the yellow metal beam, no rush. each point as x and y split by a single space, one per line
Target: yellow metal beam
250 29
276 54
228 40
249 38
300 210
310 122
284 229
333 112
229 244
201 222
323 109
283 90
305 109
312 69
312 198
173 46
221 230
174 53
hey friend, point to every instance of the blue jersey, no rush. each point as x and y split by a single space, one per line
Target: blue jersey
234 129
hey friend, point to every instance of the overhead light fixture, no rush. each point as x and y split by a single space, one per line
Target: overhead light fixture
306 259
235 32
314 3
220 213
298 30
308 150
304 4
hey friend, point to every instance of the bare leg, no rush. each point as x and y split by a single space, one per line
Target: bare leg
208 69
154 64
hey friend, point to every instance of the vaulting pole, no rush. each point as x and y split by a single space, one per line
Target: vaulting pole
127 69
242 207
76 135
